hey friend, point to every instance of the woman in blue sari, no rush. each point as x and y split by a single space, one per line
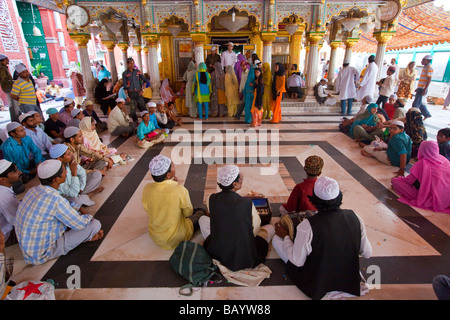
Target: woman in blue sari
367 119
249 94
103 73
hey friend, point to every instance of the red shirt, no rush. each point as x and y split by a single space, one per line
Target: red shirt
298 200
390 110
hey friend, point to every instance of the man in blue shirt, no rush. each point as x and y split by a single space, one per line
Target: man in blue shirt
133 85
21 150
39 137
398 152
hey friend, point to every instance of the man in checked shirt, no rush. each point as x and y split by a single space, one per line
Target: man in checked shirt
133 85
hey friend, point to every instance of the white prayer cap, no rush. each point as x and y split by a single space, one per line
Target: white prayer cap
120 100
159 165
32 113
68 101
151 104
393 96
257 62
142 113
4 165
12 126
230 43
160 102
20 68
23 116
324 80
75 112
213 48
57 150
346 61
398 123
70 132
48 168
2 57
227 175
428 57
326 188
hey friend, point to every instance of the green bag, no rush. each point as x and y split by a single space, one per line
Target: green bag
191 260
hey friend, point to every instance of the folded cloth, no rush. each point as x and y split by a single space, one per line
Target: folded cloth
250 277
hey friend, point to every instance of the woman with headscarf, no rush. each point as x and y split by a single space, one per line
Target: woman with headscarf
278 88
77 83
267 97
407 78
104 96
103 73
91 139
165 92
249 94
365 121
415 129
231 90
257 110
237 67
201 88
189 76
218 98
427 185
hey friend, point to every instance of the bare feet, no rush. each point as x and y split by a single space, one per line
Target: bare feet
98 236
98 190
366 154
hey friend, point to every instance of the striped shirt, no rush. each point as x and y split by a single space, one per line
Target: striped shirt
42 217
427 72
25 91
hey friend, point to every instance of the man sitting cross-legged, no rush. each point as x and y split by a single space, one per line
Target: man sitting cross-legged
44 217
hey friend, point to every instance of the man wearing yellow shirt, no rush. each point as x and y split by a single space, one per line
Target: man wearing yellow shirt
168 205
23 91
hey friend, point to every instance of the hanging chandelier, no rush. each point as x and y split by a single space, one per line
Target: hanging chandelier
174 29
291 28
36 30
232 22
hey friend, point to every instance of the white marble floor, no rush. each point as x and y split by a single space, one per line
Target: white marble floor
401 237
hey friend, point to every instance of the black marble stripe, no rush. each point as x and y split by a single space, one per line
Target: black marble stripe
155 274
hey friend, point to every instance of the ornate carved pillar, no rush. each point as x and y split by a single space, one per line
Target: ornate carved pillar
306 59
332 66
82 39
382 38
110 45
349 43
199 39
268 38
124 47
295 47
313 60
138 49
153 68
147 67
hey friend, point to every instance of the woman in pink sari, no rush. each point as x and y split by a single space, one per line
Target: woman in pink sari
166 93
428 183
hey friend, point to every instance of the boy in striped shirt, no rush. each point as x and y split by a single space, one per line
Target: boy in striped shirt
422 86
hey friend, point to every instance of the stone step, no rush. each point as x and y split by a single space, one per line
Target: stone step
297 107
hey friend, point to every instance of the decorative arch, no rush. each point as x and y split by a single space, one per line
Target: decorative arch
226 10
289 17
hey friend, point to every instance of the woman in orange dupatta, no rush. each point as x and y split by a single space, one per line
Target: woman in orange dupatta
278 88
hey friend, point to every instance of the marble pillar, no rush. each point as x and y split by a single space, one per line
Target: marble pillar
312 67
124 47
82 39
110 45
152 63
382 38
268 38
138 49
332 66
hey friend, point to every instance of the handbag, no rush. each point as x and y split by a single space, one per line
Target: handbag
191 260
